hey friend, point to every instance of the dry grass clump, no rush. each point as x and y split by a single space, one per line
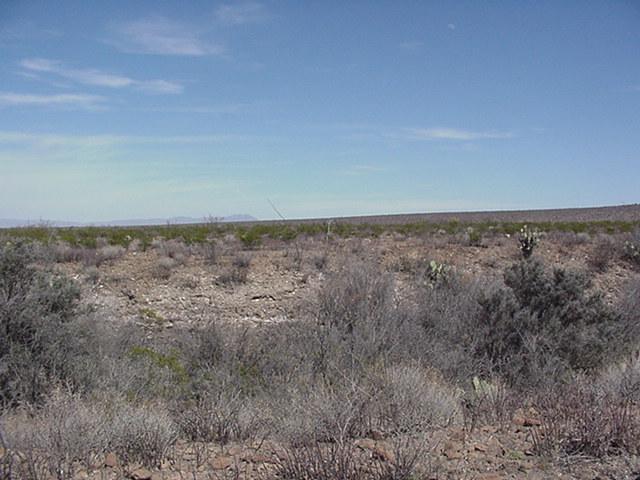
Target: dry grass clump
172 254
238 271
69 433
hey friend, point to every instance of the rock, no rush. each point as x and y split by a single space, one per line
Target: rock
111 460
365 443
378 449
381 452
494 447
526 421
141 474
255 457
489 476
452 450
222 462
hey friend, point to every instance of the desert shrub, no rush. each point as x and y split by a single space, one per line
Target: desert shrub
448 315
403 459
322 411
581 418
64 434
209 252
473 237
141 433
488 402
164 267
603 253
238 270
358 320
408 399
545 322
220 415
320 261
34 305
110 252
174 249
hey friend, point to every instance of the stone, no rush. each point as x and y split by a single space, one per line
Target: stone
452 450
111 460
141 474
222 462
489 476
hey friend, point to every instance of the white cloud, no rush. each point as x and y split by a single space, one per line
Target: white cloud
441 133
160 36
241 13
451 26
411 46
98 78
69 100
47 140
358 170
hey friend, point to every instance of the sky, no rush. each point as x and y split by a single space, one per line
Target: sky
155 109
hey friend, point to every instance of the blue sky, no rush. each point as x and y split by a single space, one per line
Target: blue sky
122 109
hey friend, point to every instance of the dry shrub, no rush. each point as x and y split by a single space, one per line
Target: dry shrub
209 251
238 270
68 433
404 459
582 418
604 251
164 267
64 435
174 249
222 416
142 433
409 399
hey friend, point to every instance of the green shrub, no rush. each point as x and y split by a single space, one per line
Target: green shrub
34 306
542 323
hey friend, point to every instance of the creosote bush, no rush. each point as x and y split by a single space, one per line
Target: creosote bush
34 307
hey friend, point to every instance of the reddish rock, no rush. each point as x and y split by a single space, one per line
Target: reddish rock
222 463
141 474
111 460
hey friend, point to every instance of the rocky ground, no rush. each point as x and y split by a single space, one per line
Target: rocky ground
281 279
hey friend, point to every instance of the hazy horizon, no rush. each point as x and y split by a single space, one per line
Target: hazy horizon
162 109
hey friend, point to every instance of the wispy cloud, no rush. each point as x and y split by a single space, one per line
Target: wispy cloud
454 134
359 170
160 36
451 26
89 102
241 13
411 46
98 78
47 140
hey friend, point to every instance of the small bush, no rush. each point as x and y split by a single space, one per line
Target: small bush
603 253
238 271
164 267
581 418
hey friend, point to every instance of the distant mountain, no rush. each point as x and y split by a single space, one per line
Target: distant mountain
13 222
